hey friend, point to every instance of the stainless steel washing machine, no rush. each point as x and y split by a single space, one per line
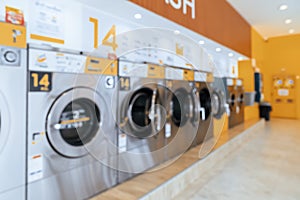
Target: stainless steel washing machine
183 111
219 106
71 130
240 106
235 101
141 117
13 63
204 93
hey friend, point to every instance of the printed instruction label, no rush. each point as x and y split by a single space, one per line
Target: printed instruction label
122 143
35 167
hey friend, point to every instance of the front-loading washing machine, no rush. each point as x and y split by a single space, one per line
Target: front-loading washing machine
182 111
204 93
219 106
71 131
141 116
240 106
231 100
13 60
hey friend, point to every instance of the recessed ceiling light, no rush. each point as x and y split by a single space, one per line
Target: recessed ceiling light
138 16
241 58
283 7
291 31
218 49
288 21
202 42
176 32
230 54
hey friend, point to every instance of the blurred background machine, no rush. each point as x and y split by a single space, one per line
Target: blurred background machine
235 99
141 117
183 111
203 88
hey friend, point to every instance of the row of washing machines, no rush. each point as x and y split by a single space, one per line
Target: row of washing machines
73 125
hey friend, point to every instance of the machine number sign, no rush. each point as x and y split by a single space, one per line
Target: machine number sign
40 81
124 83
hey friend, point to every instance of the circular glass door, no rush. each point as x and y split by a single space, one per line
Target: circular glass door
181 107
232 102
218 104
144 113
74 122
205 102
241 99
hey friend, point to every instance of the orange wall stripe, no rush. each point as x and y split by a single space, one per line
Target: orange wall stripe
46 39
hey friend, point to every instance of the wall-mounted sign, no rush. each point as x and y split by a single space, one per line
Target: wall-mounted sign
184 5
47 21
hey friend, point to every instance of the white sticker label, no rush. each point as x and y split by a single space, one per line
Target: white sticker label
122 143
35 167
230 82
133 69
174 74
168 130
200 76
239 82
283 92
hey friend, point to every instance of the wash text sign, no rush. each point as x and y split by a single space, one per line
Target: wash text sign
184 5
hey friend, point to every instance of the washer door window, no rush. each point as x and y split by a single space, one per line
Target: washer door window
73 122
144 113
241 99
181 107
218 104
205 102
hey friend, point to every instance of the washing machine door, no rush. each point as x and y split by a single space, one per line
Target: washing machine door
4 122
181 107
232 101
145 113
205 103
218 104
74 122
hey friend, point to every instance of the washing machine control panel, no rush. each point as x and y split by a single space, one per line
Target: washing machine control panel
51 61
174 73
200 76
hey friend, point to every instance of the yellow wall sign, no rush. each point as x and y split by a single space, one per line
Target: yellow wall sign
155 71
101 66
12 35
188 75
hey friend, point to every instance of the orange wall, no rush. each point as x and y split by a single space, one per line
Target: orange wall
215 19
246 72
273 55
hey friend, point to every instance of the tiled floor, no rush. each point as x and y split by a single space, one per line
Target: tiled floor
267 167
152 185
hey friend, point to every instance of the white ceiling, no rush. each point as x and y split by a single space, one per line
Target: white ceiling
266 18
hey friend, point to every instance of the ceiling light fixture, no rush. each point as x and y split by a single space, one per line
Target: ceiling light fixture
201 42
230 54
288 21
176 32
283 7
291 31
138 16
241 58
218 49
